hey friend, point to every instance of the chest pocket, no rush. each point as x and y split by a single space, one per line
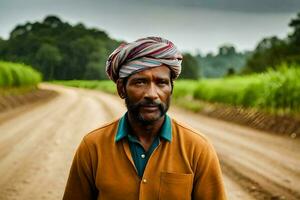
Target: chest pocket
175 186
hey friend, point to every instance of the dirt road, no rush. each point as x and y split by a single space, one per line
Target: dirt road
37 146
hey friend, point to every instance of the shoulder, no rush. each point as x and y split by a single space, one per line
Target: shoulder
190 137
196 146
104 133
188 132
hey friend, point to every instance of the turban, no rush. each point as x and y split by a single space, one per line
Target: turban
143 54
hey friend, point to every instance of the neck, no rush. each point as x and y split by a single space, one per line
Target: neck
145 132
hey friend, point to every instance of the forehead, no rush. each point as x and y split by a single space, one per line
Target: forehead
155 72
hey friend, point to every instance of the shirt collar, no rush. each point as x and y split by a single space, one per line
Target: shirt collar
123 129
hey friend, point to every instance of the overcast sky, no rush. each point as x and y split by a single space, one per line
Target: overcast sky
192 25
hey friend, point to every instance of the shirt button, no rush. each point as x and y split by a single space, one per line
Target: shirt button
144 180
143 156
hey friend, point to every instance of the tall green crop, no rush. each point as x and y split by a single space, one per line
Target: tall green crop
273 90
17 75
104 85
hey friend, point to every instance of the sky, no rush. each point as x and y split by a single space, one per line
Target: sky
193 25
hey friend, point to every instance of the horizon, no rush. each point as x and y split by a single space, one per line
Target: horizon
193 26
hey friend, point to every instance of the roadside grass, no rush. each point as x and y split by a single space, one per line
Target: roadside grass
182 96
16 90
18 75
275 92
104 85
17 78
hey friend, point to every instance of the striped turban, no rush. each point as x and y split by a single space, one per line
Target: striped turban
142 54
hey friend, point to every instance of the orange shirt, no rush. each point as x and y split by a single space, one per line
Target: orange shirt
185 168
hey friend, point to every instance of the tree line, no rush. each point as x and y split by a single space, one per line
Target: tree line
272 51
228 61
61 51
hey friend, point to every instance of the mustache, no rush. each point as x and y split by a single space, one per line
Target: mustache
149 103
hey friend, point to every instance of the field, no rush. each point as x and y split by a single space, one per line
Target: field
17 75
105 85
16 78
277 92
274 91
38 144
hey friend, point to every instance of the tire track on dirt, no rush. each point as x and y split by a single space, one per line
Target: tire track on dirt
37 147
28 166
15 134
69 134
27 145
274 174
259 186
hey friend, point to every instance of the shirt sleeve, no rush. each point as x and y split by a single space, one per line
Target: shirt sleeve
81 184
208 181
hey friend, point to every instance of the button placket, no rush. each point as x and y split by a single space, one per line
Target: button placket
145 181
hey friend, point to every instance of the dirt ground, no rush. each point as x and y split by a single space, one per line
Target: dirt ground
38 141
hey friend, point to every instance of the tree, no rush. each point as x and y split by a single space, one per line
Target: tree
93 71
218 65
96 67
295 36
230 72
2 45
48 57
269 53
58 49
52 21
226 50
272 51
190 67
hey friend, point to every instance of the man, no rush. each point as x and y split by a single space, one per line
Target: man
145 155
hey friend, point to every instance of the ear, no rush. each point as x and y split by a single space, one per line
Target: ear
121 88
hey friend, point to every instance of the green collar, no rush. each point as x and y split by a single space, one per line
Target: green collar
123 129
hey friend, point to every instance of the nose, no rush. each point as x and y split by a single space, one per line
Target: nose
151 92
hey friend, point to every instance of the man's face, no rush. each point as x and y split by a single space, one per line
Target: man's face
148 94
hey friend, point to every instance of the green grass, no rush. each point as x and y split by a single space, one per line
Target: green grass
16 78
181 94
105 85
14 75
274 91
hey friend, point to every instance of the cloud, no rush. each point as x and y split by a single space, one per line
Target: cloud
273 6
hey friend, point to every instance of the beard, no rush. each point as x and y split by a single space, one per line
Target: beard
134 110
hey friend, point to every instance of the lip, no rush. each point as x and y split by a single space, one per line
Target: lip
150 108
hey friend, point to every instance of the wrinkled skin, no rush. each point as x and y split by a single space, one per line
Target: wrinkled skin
147 94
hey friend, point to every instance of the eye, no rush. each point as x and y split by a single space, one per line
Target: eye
163 82
139 82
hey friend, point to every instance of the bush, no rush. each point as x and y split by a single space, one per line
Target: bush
272 90
18 75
